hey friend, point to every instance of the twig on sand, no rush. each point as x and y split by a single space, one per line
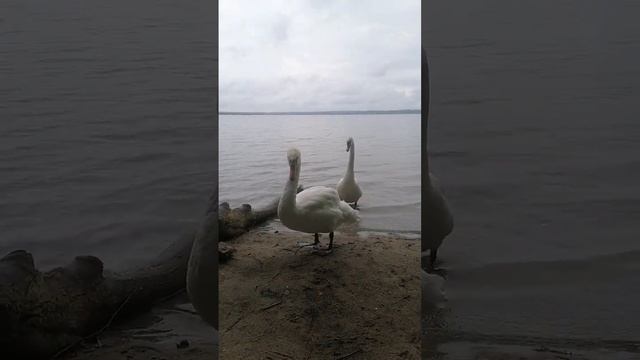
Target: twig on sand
272 305
94 334
275 276
287 356
234 324
348 355
403 298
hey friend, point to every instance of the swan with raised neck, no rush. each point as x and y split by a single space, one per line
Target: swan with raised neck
315 210
348 187
437 219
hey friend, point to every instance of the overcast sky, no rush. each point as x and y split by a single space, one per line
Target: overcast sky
315 55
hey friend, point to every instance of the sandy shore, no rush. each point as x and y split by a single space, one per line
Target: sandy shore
360 302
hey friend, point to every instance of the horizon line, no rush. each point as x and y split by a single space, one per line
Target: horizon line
325 112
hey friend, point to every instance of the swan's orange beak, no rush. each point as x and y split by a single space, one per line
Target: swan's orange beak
291 173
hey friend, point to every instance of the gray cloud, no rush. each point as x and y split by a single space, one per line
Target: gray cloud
281 28
282 55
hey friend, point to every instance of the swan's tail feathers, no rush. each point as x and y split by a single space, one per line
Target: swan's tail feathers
349 215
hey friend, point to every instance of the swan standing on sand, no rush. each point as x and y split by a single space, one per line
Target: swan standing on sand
315 210
437 220
348 188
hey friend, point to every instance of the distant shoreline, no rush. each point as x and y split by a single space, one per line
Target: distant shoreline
338 112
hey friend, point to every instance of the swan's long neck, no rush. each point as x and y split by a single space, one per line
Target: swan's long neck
425 119
352 155
288 198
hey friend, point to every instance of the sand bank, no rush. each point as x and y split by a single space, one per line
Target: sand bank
360 302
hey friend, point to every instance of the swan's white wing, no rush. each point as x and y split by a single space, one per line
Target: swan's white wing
349 215
349 190
316 198
358 191
322 206
439 221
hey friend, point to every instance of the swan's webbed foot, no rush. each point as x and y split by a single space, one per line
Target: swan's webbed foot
433 255
323 251
441 272
303 244
431 268
314 244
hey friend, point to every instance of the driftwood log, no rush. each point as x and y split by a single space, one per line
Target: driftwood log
233 223
44 314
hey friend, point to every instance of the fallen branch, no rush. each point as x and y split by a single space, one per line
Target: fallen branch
234 324
274 276
235 222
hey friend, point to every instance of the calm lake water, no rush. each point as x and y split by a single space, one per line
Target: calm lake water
107 132
253 161
534 136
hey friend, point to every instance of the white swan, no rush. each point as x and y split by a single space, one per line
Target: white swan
437 220
202 271
348 188
315 210
433 295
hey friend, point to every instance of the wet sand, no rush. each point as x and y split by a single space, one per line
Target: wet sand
360 302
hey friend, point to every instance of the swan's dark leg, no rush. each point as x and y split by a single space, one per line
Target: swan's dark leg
322 250
433 255
315 242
